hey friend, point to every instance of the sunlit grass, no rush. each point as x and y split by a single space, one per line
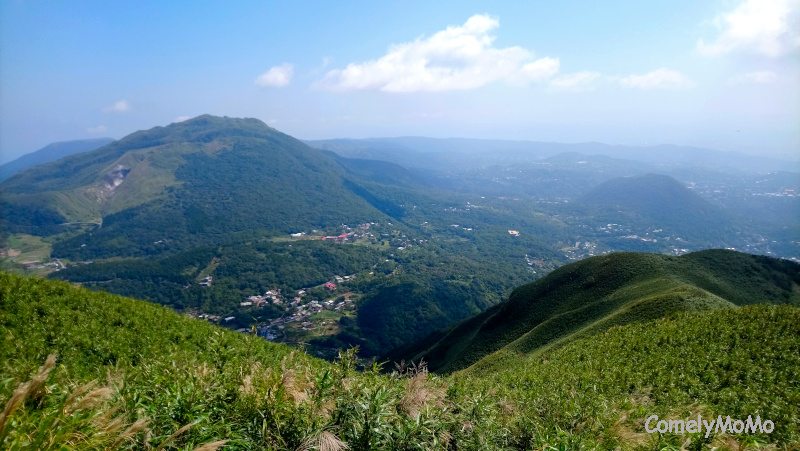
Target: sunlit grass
146 378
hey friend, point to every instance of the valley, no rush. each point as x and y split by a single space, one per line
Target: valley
249 211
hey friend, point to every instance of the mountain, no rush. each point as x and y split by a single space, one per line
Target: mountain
125 374
600 292
50 152
196 182
665 202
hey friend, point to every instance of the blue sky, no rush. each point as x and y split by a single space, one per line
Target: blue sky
723 74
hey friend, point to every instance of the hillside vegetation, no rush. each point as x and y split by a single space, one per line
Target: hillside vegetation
131 375
600 292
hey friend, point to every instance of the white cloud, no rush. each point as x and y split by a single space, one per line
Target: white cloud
658 79
769 27
579 81
98 129
118 107
759 77
276 77
457 58
182 118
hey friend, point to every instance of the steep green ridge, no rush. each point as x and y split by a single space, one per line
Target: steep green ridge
153 366
50 152
600 292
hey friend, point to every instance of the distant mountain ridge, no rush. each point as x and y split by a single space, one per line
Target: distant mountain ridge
411 151
50 152
600 292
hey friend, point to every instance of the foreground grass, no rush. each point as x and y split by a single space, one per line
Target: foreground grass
130 375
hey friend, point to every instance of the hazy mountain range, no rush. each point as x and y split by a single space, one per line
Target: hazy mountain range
464 153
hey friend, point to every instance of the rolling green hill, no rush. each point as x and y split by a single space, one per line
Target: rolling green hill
127 374
600 292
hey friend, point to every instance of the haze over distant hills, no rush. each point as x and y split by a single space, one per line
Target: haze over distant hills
50 152
465 153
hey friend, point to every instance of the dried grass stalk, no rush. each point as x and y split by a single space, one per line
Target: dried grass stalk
26 389
212 446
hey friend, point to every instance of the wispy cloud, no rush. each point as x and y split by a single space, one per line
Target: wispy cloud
658 79
768 27
182 118
276 77
457 58
577 82
759 77
98 129
118 107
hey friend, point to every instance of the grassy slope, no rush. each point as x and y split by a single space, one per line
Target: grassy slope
593 393
735 361
600 292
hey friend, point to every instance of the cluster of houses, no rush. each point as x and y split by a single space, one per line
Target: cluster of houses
637 237
302 314
260 301
212 318
55 264
206 282
348 233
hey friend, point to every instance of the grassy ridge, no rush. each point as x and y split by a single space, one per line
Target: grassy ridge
597 293
167 382
735 362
